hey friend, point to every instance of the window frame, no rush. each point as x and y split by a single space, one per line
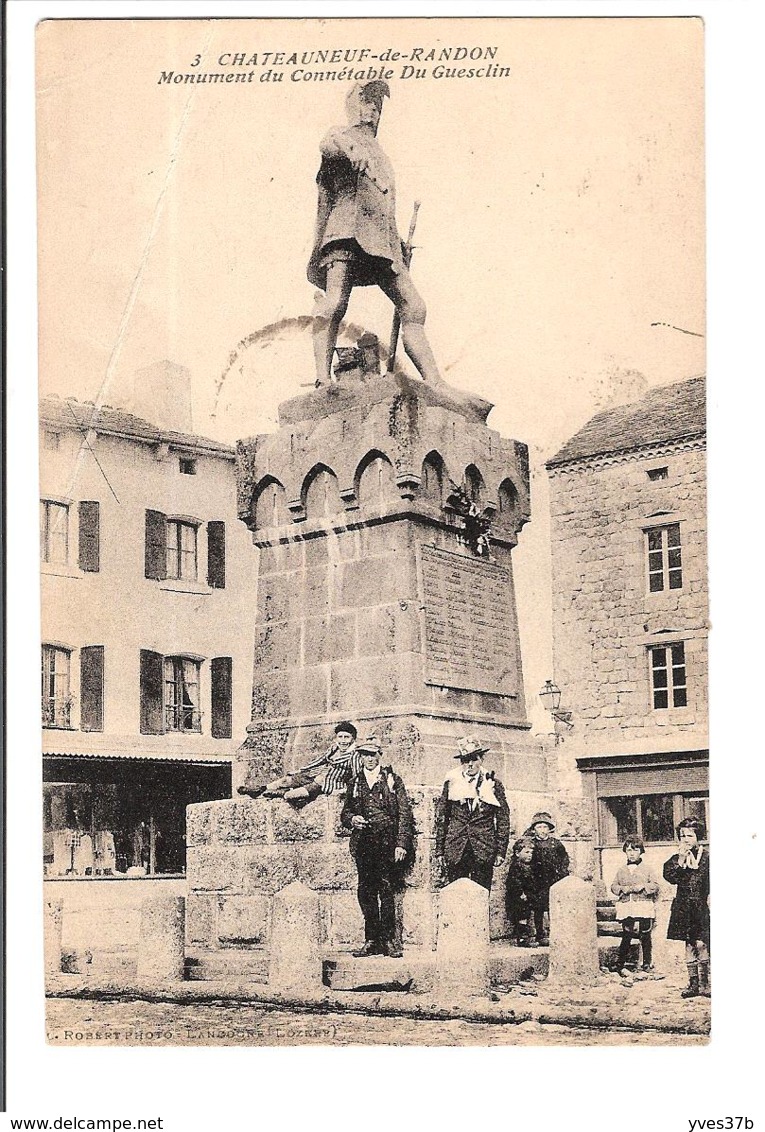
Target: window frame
46 503
174 710
180 524
680 809
56 709
666 572
678 689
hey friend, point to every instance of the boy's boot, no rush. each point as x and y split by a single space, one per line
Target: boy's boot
704 984
692 990
646 942
624 950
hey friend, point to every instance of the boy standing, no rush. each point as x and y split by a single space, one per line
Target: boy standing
522 893
549 863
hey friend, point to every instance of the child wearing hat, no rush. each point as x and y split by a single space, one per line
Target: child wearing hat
522 893
637 890
689 915
549 863
330 773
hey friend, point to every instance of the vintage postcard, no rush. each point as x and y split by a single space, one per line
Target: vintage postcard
373 531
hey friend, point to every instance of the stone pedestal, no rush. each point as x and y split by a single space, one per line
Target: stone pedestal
373 606
573 933
53 929
295 957
161 940
371 603
462 952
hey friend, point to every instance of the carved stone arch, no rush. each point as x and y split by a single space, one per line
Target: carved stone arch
434 479
320 494
269 504
474 485
375 481
509 502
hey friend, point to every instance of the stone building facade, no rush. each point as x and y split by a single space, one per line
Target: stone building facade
630 616
146 654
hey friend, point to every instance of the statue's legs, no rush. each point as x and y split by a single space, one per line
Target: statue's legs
331 306
412 311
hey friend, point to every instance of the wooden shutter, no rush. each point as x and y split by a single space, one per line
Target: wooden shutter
92 687
89 536
216 554
156 545
220 680
152 687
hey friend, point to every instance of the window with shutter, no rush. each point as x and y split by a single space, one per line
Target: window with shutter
155 565
220 680
92 688
152 715
216 554
89 536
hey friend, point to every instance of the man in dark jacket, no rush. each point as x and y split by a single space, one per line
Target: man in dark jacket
473 819
378 813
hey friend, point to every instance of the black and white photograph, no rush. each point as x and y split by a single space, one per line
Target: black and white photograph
374 630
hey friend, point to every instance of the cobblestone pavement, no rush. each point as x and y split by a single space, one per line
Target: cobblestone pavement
82 1022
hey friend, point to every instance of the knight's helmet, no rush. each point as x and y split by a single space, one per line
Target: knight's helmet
374 92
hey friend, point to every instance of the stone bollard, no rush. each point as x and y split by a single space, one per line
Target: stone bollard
295 960
462 951
53 929
161 938
573 933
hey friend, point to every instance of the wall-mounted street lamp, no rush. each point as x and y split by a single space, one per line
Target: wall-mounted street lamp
550 696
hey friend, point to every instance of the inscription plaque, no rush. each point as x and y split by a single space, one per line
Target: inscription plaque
469 634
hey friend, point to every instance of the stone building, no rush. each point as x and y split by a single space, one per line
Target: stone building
629 570
146 649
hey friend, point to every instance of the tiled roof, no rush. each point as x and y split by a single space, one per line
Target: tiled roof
84 415
669 412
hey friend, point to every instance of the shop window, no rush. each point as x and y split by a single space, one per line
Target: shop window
181 550
665 567
181 694
123 820
56 697
54 532
669 687
698 808
649 816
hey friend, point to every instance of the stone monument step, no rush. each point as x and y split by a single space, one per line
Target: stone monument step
228 963
609 927
508 965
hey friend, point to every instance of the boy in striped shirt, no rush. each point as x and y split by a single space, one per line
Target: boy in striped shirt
330 773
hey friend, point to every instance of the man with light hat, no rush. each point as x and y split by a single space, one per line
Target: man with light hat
379 815
473 819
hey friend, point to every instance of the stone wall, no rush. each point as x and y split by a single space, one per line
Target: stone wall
605 618
240 853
